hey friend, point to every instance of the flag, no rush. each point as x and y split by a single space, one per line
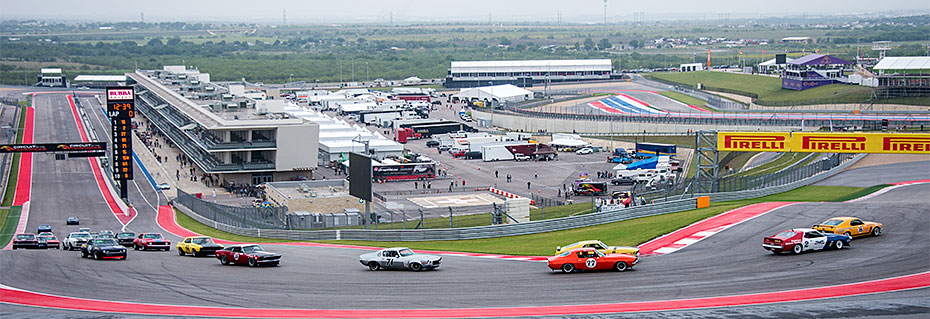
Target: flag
740 52
817 51
763 51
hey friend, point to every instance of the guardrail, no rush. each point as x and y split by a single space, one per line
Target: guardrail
610 215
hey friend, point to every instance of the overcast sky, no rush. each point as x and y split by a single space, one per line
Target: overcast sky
379 11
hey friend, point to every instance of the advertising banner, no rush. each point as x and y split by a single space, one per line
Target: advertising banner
824 142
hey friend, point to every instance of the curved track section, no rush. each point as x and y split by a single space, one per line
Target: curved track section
708 273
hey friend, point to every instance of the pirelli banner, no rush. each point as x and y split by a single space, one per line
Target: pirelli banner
824 142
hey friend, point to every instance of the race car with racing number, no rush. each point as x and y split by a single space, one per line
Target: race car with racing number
803 239
587 258
849 226
247 254
146 241
600 246
399 258
198 246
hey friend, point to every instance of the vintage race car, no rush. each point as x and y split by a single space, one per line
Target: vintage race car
75 240
26 240
147 241
590 259
126 238
73 221
399 258
600 246
103 248
198 246
803 239
50 240
849 226
247 254
44 228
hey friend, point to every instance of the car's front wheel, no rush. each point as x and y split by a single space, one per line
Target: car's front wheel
224 260
416 267
373 266
877 231
797 249
167 248
83 254
180 252
620 266
838 244
252 262
97 256
568 268
125 256
848 234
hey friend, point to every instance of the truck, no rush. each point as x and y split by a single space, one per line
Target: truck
404 134
620 155
387 171
491 153
586 187
533 151
428 130
655 149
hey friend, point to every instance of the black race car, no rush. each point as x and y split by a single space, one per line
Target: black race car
26 241
73 221
125 238
104 248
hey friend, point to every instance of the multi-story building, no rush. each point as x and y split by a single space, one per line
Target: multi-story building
238 138
464 74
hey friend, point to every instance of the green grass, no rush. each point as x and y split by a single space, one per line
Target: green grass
564 210
784 160
626 233
813 193
9 219
684 98
195 226
740 160
768 89
14 165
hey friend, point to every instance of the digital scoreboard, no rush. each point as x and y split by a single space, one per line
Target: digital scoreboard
121 109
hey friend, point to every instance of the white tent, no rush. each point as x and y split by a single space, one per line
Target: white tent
568 142
413 80
499 93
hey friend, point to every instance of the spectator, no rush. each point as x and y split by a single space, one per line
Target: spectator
527 185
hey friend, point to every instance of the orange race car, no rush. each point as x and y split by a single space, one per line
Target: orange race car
590 259
849 226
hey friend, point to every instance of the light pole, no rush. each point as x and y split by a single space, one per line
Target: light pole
366 72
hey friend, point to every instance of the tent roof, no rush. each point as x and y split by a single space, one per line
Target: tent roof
500 91
815 59
114 78
569 142
772 61
904 63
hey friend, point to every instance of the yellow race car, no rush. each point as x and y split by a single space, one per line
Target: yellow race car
600 246
198 246
850 226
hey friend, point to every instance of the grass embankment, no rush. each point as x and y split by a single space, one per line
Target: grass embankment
784 160
14 165
195 226
766 88
686 99
629 232
9 219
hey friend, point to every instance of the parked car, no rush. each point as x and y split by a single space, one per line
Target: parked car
198 246
73 221
521 157
50 240
146 241
399 258
164 186
849 226
444 147
583 259
44 228
76 240
583 151
104 248
457 153
432 143
473 155
803 239
247 254
25 240
125 238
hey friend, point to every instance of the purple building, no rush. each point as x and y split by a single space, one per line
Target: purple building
814 70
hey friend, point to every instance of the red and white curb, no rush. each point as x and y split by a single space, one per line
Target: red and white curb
888 189
507 194
698 231
16 296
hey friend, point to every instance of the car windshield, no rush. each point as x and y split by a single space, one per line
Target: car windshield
832 222
152 236
406 252
785 234
104 242
252 249
81 235
126 235
203 241
25 236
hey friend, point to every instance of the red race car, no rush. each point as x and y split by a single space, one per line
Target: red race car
247 254
590 259
146 241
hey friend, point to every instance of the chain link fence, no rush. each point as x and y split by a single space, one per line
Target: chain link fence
238 216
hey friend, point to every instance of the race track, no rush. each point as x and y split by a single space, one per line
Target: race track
728 263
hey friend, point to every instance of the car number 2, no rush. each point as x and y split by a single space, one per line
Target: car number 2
590 263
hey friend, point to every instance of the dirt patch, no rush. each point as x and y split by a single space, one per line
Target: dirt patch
882 159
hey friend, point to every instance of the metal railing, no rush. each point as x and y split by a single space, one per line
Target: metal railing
236 216
788 181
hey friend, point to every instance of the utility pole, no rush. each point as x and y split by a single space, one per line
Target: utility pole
142 17
391 18
605 12
284 17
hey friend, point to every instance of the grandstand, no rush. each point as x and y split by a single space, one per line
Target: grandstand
464 74
903 76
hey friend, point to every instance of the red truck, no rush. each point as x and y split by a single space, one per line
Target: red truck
404 134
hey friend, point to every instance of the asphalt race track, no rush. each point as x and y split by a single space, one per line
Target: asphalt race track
731 262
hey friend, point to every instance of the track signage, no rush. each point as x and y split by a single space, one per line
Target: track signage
53 147
824 142
121 109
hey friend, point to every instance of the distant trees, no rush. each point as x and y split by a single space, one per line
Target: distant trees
504 41
604 44
589 44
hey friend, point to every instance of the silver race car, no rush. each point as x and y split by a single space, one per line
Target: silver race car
399 258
